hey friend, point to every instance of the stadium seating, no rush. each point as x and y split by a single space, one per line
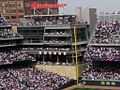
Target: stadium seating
30 79
107 33
102 49
12 78
103 54
100 74
10 56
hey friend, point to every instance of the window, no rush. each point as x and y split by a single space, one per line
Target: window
82 35
13 17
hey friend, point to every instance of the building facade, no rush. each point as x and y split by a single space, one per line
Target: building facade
12 9
109 16
88 15
54 38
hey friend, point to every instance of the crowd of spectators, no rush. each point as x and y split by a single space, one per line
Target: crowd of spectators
31 79
101 74
97 56
107 33
10 56
102 54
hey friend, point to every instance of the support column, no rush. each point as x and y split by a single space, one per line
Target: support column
57 59
48 11
73 60
66 59
43 58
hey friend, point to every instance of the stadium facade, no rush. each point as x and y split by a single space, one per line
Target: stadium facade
109 16
49 39
54 37
102 56
17 69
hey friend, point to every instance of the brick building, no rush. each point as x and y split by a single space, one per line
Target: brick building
15 9
12 9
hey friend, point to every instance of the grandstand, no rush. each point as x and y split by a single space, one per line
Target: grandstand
9 39
45 40
17 70
37 52
50 38
102 56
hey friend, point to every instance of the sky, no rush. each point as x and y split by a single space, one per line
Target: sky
101 5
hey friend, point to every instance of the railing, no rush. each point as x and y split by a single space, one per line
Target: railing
7 45
57 43
13 38
98 44
50 24
43 25
57 34
101 82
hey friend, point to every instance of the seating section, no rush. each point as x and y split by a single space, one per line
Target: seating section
103 53
10 56
107 33
31 79
101 74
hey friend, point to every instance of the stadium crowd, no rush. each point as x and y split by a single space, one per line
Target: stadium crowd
31 79
97 58
10 56
101 74
107 33
102 54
